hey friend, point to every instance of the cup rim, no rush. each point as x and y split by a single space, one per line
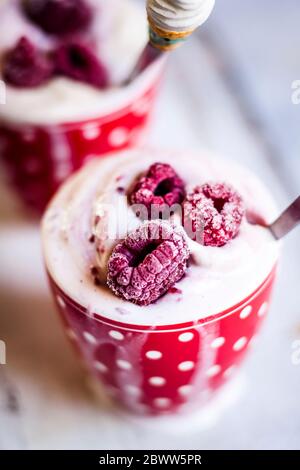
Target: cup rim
171 327
69 126
128 94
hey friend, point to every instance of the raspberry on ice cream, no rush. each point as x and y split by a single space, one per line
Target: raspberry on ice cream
212 214
75 60
148 262
26 66
159 189
59 16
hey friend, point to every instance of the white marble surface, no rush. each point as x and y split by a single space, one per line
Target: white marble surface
229 89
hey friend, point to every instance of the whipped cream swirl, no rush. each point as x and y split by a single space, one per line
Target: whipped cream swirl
179 15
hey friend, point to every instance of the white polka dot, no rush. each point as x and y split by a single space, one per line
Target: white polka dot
112 390
240 343
71 334
91 131
100 366
60 301
153 354
132 390
157 381
253 341
185 390
162 402
263 309
229 371
218 342
62 170
89 337
213 370
125 365
185 337
28 135
118 137
186 365
137 135
141 107
141 408
245 312
116 335
89 157
32 165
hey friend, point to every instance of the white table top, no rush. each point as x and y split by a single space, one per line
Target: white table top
228 89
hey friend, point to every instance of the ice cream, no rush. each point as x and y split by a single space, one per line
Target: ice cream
179 15
172 21
115 41
91 214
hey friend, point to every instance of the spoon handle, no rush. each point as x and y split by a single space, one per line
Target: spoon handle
287 221
149 55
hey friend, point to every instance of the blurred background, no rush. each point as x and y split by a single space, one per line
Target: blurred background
230 89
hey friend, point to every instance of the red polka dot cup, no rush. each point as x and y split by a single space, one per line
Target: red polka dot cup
170 368
38 158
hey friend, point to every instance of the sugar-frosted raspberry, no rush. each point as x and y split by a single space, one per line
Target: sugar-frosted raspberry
148 262
75 60
158 190
26 66
212 214
59 16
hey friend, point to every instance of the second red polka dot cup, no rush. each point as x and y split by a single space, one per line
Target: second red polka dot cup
39 157
167 368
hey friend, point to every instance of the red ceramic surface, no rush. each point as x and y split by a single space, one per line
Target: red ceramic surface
40 158
155 370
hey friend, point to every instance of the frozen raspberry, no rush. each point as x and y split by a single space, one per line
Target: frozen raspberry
75 60
59 16
213 214
158 190
25 66
148 262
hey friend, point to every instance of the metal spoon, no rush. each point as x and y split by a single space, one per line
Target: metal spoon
149 55
287 221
